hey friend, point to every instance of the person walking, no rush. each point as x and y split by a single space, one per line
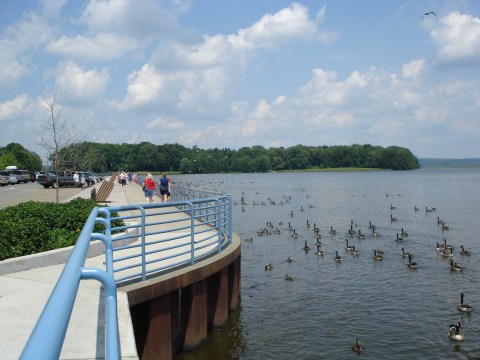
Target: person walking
149 188
82 181
76 180
164 188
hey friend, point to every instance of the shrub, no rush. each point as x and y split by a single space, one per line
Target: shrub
34 227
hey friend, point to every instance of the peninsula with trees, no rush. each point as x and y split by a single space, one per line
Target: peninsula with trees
145 156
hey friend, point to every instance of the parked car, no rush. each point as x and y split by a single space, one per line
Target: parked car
64 179
33 176
21 175
4 178
12 179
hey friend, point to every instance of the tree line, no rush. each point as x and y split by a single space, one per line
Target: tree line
145 156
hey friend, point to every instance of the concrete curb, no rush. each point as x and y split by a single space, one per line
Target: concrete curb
59 256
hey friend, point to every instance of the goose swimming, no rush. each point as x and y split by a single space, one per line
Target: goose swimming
455 266
464 307
411 264
357 347
454 332
463 251
337 257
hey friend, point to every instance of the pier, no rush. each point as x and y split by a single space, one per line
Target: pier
165 303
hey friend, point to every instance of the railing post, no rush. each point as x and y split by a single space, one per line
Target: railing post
112 343
144 270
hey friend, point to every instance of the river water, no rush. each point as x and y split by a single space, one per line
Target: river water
394 311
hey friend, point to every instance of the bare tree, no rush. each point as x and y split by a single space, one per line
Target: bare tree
57 136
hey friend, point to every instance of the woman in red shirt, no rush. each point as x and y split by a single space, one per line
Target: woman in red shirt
149 188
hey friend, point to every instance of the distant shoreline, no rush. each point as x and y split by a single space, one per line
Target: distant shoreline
446 163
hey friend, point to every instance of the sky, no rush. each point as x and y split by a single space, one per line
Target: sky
229 73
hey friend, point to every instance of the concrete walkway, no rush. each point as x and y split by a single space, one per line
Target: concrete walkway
23 295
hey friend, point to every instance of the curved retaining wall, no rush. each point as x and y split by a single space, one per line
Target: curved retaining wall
173 312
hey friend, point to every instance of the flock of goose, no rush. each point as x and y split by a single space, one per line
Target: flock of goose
444 249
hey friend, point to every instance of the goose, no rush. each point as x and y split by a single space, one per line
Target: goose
289 259
406 254
393 219
454 332
446 253
447 246
404 233
464 307
445 227
319 252
294 235
355 252
392 207
352 224
411 264
455 266
348 247
374 233
398 239
379 252
370 225
337 257
306 247
440 222
290 226
332 230
269 267
415 208
249 240
288 277
440 247
464 252
351 233
360 235
357 347
318 242
377 256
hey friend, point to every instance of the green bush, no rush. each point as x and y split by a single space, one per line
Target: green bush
34 227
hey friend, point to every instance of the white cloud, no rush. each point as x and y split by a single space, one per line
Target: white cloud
14 108
102 46
79 86
17 43
287 24
129 17
458 38
414 69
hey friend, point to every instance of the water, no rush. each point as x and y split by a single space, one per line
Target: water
396 312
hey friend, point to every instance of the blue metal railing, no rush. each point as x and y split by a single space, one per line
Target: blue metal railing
153 238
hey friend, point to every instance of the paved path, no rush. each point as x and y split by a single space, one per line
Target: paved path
24 294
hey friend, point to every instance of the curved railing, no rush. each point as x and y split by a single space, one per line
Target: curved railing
151 239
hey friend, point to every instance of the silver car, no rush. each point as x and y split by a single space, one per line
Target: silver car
13 179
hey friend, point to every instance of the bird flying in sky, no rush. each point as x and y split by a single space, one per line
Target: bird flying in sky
429 13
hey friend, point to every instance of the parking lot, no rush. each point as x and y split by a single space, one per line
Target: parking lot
16 194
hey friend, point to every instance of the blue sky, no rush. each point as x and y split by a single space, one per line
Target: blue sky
225 73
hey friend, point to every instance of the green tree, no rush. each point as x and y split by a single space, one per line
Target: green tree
298 157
